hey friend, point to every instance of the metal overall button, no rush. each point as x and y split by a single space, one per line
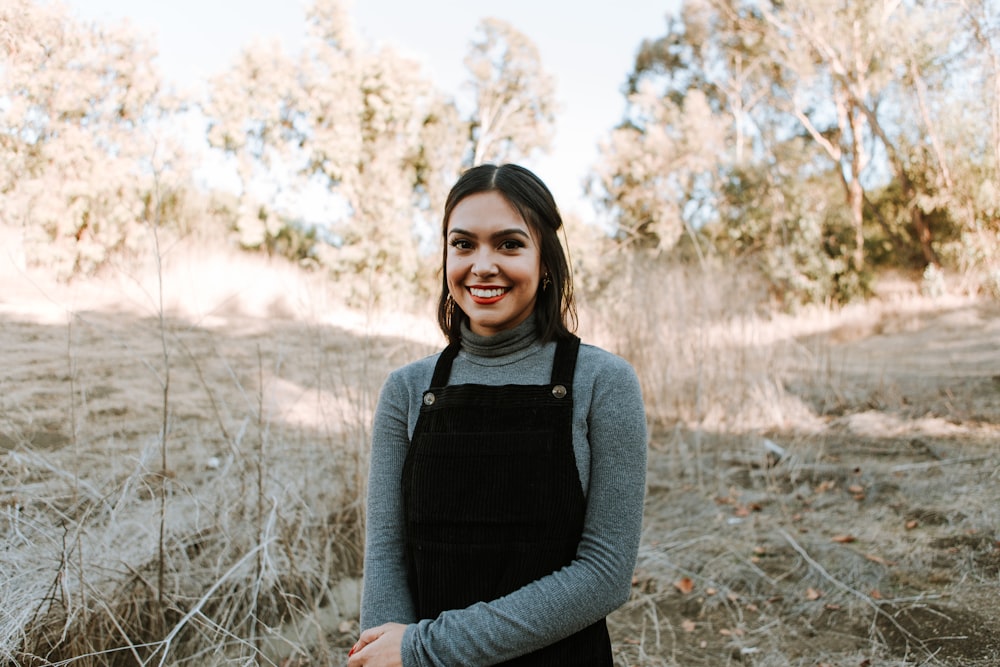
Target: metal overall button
559 391
429 398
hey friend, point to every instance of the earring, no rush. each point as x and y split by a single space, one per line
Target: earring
545 282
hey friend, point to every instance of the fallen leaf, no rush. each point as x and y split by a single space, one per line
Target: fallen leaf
876 594
843 539
911 524
813 594
710 591
688 625
856 488
684 585
879 560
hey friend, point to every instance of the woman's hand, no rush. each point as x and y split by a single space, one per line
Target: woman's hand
379 647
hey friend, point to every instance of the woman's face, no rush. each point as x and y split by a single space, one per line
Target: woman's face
493 264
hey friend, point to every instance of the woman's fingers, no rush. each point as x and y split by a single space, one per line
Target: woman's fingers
387 655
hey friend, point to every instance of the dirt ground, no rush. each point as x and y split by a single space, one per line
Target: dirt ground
870 536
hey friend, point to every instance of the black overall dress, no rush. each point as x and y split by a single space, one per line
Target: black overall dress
492 497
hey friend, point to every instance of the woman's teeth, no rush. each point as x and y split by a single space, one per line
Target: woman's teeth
486 293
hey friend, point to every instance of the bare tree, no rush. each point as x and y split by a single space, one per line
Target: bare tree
514 97
843 61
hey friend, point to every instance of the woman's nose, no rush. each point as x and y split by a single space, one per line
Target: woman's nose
484 264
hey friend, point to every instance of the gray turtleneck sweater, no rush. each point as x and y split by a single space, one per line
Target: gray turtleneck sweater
609 440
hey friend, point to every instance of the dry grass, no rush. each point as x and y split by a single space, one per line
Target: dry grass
181 476
870 538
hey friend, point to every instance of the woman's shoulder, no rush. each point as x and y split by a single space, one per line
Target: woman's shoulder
610 380
415 373
600 360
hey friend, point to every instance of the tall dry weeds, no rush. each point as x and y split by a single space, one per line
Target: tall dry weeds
231 550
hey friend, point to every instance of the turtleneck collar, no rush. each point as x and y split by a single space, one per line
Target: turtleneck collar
500 344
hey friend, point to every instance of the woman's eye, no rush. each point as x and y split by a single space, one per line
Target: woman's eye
511 244
461 244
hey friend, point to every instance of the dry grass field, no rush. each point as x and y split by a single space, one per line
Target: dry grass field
182 467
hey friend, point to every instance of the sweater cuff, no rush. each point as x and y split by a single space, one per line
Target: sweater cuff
407 654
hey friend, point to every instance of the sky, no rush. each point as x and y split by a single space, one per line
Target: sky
587 46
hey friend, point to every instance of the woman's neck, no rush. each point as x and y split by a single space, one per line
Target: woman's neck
502 343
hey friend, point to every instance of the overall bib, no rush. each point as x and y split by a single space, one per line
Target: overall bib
492 497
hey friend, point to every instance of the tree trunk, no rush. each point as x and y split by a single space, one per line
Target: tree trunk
856 192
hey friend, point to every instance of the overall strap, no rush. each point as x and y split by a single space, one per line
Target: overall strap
442 370
565 362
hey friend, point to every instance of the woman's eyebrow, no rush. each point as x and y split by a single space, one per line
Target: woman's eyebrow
494 235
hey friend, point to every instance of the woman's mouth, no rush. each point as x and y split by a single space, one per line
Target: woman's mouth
487 295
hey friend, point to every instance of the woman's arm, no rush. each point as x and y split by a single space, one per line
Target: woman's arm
597 581
386 597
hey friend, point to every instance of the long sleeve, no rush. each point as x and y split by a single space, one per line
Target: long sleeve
385 596
611 422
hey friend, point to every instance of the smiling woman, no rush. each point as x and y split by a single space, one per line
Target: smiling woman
508 471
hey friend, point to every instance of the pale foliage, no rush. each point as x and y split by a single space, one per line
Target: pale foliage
515 98
250 105
85 168
92 164
365 120
368 125
649 170
342 114
746 113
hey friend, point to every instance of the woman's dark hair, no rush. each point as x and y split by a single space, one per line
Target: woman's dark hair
555 311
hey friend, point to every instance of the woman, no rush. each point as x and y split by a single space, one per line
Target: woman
507 472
